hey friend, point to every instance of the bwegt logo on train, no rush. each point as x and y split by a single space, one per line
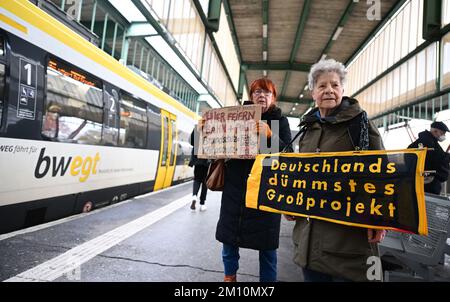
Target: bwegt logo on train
83 167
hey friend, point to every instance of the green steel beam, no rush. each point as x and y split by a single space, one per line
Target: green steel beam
298 37
212 20
242 79
341 23
300 29
171 43
431 25
287 76
214 9
277 66
374 32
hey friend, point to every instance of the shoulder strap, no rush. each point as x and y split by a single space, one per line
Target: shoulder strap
302 131
358 130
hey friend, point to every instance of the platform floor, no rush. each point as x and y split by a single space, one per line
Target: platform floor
155 237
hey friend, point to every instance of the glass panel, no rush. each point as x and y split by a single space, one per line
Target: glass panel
445 12
118 42
414 25
109 35
131 51
405 30
86 13
431 68
446 61
137 55
421 71
99 22
403 82
74 108
412 78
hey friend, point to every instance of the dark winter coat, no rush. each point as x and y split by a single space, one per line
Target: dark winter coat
322 246
436 159
240 226
194 143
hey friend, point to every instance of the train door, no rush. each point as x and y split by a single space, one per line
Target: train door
168 151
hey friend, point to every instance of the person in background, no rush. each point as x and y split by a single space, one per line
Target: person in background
328 251
201 167
50 124
241 227
436 159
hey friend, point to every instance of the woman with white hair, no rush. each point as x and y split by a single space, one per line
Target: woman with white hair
327 251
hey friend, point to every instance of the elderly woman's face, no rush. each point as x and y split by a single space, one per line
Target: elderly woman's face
328 91
263 97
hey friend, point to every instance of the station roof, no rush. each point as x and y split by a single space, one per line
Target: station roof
282 39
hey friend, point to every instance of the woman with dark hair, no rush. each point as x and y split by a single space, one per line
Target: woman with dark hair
241 227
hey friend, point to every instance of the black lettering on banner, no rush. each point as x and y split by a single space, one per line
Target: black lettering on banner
378 189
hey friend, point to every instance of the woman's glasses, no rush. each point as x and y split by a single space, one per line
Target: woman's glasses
262 91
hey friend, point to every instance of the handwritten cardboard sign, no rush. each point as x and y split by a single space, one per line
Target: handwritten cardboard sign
230 132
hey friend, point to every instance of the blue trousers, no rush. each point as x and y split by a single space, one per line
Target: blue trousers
267 263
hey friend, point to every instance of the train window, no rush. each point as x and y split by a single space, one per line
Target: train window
154 123
74 106
2 47
166 141
133 122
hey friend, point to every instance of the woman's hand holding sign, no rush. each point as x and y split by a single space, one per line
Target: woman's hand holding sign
263 129
375 236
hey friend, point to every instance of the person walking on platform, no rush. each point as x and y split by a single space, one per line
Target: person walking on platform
241 227
201 167
327 251
436 159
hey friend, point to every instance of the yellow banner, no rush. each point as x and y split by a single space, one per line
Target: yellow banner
371 189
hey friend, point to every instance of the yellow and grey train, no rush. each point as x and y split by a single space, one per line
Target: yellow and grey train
78 130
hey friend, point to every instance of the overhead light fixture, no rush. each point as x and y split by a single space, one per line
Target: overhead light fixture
306 87
296 104
323 57
264 30
265 55
337 33
301 96
293 109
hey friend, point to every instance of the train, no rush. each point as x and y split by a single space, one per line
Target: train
78 129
